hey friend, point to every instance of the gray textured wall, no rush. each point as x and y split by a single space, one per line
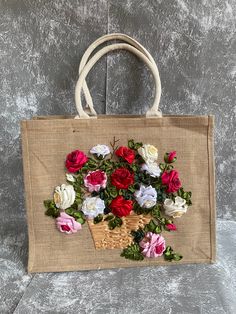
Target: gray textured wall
41 43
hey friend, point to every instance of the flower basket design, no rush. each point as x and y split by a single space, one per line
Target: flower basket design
122 194
104 238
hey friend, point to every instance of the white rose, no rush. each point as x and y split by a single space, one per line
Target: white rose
92 206
149 153
152 169
146 196
100 150
175 208
70 177
64 196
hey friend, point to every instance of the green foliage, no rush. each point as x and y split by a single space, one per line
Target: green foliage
52 210
132 252
98 218
138 235
115 222
77 214
140 210
153 226
185 195
133 145
170 255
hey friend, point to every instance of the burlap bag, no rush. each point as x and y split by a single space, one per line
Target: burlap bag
47 140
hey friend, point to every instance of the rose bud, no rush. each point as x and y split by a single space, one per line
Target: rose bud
170 157
171 227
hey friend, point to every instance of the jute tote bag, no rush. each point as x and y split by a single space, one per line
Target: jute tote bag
46 143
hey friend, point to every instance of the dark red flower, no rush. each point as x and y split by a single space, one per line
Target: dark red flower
125 153
75 160
122 178
121 207
170 157
171 180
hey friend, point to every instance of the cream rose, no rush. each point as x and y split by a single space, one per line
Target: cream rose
175 208
92 206
70 177
64 196
149 153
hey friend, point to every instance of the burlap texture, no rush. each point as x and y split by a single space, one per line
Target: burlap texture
45 143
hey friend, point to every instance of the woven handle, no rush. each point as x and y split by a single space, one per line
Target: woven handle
93 46
154 109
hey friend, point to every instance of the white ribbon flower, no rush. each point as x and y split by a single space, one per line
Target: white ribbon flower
64 196
175 208
70 177
152 169
146 196
100 150
148 152
92 206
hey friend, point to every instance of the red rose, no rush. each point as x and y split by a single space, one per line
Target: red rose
122 178
121 207
171 180
75 160
171 227
125 153
170 157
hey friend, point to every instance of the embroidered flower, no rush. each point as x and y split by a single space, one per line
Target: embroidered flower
125 153
121 207
171 180
152 169
92 206
146 196
64 196
175 208
148 152
122 178
70 177
170 157
95 180
100 150
152 245
75 160
171 227
67 224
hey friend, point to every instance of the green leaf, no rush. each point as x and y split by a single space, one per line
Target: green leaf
138 235
115 222
52 210
109 217
132 252
151 226
98 219
131 144
170 255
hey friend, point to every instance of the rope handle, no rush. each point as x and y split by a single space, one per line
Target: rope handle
86 68
93 46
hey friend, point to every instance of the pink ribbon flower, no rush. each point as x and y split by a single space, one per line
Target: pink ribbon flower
152 245
67 224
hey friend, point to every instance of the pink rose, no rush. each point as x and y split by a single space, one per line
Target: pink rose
95 180
152 245
171 227
171 180
67 224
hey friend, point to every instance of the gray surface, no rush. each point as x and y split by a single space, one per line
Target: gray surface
41 43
